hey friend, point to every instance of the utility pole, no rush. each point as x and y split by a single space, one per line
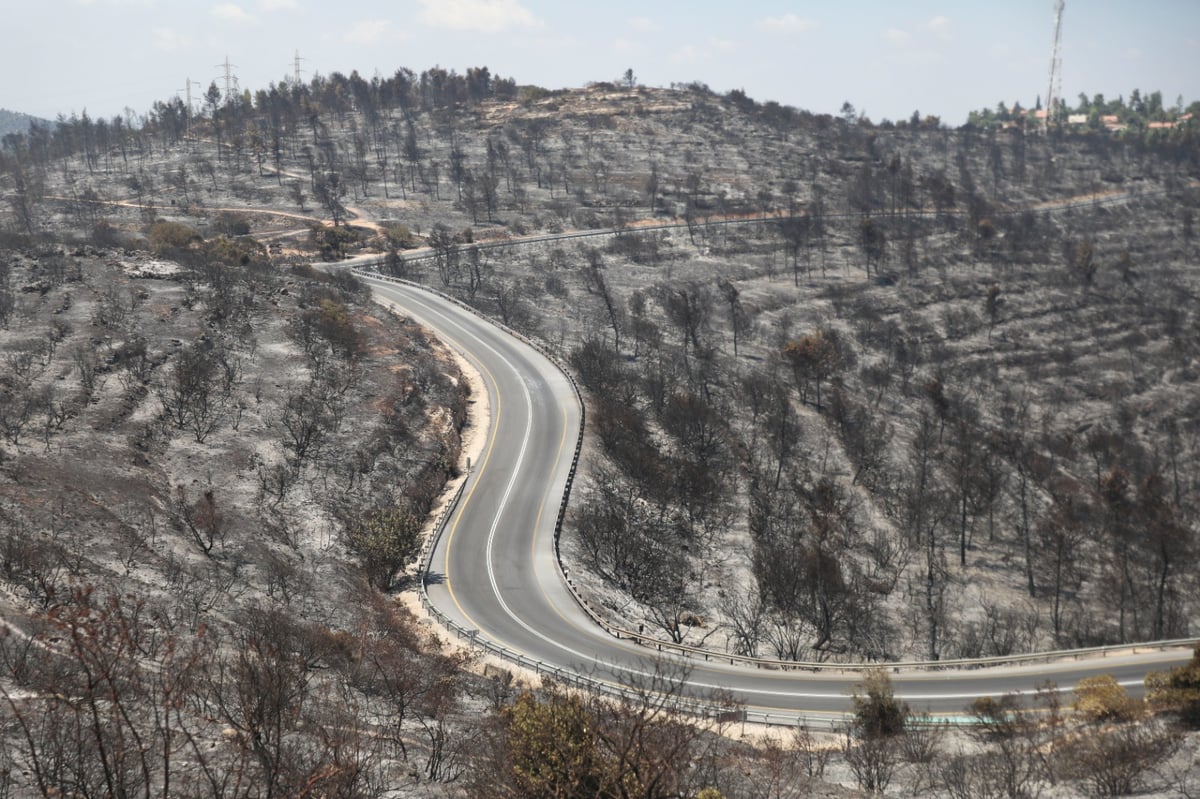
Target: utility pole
296 68
231 81
1055 88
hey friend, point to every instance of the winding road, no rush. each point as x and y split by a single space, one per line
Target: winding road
494 577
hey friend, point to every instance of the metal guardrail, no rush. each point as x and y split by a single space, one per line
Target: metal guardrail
702 709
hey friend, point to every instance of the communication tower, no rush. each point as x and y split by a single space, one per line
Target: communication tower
1054 90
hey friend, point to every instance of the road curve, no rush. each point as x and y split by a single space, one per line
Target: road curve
493 570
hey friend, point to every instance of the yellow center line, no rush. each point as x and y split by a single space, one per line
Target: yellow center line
483 464
487 458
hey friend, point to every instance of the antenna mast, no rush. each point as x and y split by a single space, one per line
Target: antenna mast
296 68
1055 88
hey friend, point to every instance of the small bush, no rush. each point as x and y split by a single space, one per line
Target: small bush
877 711
1177 691
232 224
386 540
166 237
235 252
399 236
332 242
1102 698
1117 760
104 234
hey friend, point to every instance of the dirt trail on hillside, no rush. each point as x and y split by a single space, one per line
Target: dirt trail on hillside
206 208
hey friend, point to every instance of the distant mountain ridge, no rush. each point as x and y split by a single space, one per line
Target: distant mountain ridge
16 122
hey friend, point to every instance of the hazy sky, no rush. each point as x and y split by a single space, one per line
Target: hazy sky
887 57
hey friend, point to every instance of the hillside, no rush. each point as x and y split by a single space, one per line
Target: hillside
15 122
854 391
218 466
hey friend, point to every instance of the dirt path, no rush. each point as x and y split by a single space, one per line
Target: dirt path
363 219
193 208
359 215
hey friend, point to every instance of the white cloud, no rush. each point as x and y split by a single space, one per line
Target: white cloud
787 23
643 24
896 35
276 5
939 27
169 39
231 12
1132 54
623 45
486 16
372 31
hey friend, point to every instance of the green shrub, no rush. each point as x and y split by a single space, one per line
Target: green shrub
166 237
398 236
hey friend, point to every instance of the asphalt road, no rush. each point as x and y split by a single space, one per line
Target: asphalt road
493 570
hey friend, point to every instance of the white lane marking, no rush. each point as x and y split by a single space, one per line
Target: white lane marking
612 665
511 483
504 500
